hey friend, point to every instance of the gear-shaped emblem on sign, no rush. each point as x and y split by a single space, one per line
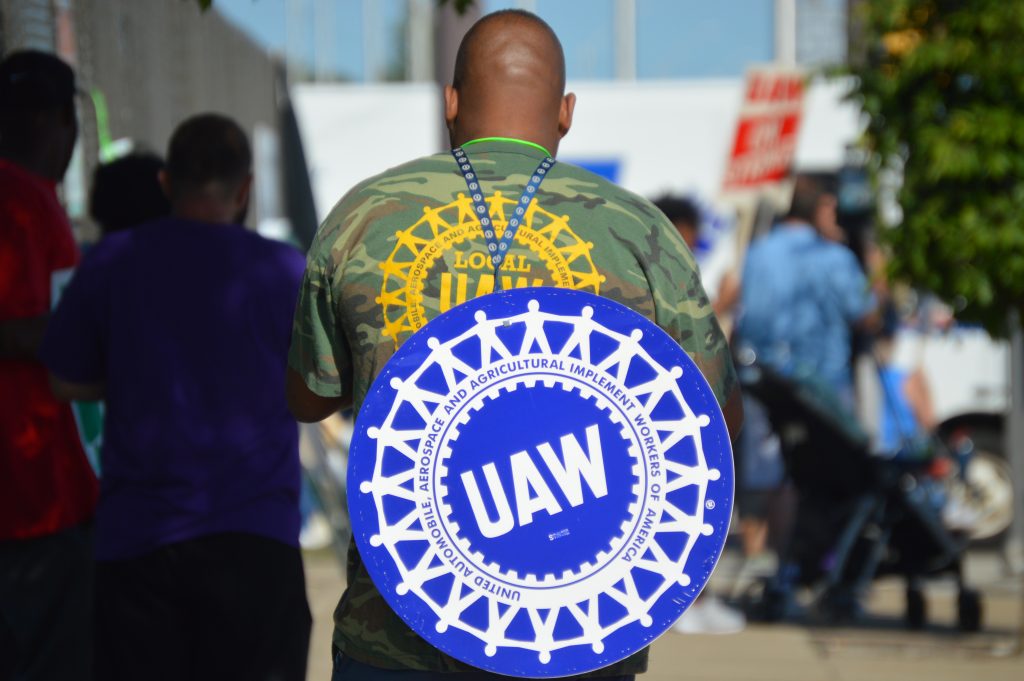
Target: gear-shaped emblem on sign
542 482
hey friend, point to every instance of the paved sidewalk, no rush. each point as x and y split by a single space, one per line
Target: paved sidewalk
878 650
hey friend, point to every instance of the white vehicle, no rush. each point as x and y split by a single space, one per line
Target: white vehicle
968 377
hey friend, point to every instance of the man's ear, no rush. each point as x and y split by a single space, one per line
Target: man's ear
165 183
451 107
242 194
565 113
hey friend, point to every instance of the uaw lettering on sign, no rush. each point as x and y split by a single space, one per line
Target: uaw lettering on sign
529 489
528 417
513 494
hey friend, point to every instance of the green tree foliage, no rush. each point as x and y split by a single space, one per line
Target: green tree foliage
942 84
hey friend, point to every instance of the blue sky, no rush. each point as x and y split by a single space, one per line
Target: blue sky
270 21
675 38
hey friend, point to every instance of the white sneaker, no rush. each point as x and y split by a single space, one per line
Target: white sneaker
709 615
316 533
961 512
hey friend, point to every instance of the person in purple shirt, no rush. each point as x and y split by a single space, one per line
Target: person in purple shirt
182 325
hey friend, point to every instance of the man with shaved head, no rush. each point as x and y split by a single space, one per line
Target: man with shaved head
412 242
509 76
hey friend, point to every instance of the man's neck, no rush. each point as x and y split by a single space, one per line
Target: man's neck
210 212
548 143
512 140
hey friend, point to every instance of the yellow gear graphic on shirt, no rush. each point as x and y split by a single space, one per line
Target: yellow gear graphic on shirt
565 257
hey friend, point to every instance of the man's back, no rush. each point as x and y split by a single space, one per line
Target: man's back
801 294
405 246
187 325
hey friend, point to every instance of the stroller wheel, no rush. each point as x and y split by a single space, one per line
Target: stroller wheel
969 610
917 609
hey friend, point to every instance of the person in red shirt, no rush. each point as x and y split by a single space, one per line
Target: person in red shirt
47 487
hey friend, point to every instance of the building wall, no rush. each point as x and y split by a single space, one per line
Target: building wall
26 24
821 32
156 63
159 61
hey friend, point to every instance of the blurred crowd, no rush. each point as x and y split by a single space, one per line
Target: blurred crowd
179 320
804 303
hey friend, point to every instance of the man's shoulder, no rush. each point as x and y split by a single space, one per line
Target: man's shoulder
593 190
431 177
110 251
28 202
837 252
172 236
829 259
17 183
761 246
273 251
418 182
785 238
268 245
415 177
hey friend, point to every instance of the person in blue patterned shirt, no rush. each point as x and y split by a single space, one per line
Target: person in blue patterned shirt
803 293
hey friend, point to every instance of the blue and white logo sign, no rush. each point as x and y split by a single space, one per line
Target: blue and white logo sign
540 482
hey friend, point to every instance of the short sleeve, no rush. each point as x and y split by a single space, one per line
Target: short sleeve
683 310
74 347
319 352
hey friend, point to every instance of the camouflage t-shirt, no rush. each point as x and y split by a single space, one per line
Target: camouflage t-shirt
404 246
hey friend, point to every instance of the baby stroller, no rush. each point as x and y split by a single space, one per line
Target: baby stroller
858 516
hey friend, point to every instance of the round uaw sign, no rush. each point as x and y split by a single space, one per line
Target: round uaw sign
540 482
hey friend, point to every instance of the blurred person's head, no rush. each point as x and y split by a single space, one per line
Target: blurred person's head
209 170
509 81
826 219
684 214
38 127
127 192
814 203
